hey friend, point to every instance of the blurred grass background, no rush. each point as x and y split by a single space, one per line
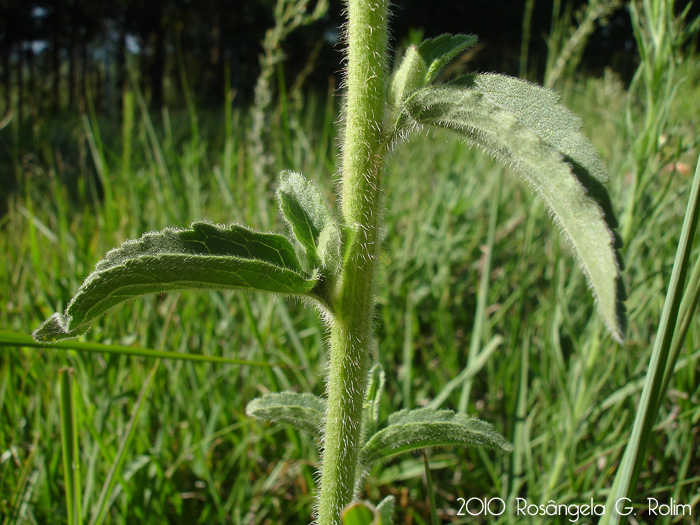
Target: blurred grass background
543 370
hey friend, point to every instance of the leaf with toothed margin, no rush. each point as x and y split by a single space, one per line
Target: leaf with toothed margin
410 430
440 51
523 126
303 411
204 256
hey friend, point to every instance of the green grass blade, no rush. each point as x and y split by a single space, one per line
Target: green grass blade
69 448
660 365
102 505
14 339
482 295
434 520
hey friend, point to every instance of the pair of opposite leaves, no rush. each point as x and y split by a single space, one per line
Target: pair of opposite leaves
519 123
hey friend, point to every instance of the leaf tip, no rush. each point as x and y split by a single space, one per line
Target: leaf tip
55 328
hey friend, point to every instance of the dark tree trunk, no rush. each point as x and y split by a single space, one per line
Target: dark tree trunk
71 74
85 84
158 61
56 77
34 100
7 79
20 84
121 64
217 62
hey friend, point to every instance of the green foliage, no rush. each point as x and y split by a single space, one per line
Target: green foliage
410 430
364 513
520 124
439 52
385 509
203 256
302 411
309 218
572 188
193 438
360 513
70 449
373 399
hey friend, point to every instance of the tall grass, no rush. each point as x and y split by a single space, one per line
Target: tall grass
477 297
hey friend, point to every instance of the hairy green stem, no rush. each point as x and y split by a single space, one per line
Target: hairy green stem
351 328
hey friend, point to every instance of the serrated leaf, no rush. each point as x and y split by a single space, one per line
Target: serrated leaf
440 51
410 430
305 211
560 166
540 110
303 411
360 513
204 256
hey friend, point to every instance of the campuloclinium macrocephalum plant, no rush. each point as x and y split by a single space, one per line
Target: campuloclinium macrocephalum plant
519 123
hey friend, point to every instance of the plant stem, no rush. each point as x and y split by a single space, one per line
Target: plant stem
351 327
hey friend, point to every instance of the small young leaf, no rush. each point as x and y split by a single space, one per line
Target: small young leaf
406 80
373 398
440 51
203 256
386 510
330 249
303 411
305 210
561 166
360 513
425 428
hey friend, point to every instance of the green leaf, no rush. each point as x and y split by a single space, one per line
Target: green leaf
386 510
303 411
546 146
440 51
204 256
305 211
360 513
410 430
540 110
373 398
330 249
407 79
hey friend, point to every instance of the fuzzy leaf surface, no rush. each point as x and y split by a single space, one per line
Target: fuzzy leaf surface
409 77
305 210
360 513
204 256
302 411
373 398
409 430
552 155
386 510
440 51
